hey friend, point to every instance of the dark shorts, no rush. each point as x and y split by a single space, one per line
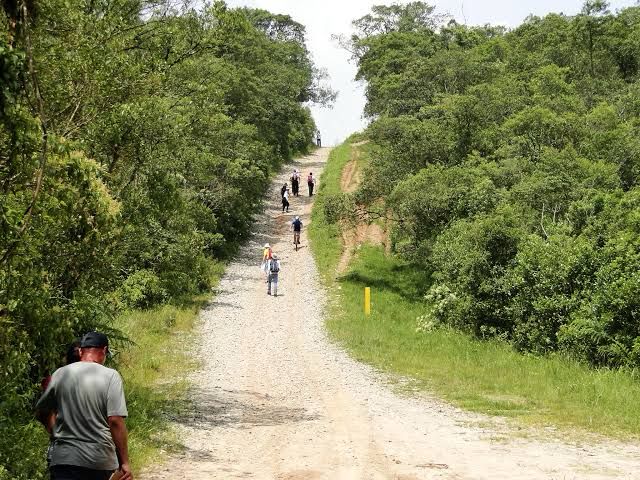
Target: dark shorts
71 472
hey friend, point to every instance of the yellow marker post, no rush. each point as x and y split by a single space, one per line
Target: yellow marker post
367 301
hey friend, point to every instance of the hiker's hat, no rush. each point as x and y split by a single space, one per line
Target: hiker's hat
274 257
266 245
297 218
94 340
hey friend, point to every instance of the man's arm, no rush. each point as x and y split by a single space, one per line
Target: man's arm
119 434
47 418
46 408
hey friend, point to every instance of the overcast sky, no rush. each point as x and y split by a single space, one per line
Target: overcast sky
323 18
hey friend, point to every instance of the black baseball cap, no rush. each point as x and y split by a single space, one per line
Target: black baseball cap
94 340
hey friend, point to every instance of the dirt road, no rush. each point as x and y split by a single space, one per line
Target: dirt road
275 399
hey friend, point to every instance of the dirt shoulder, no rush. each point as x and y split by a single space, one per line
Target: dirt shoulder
355 235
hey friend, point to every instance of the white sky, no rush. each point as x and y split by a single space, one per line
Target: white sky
323 18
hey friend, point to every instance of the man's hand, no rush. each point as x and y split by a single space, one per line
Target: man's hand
119 435
127 474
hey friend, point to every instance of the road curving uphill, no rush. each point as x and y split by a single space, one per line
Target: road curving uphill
275 399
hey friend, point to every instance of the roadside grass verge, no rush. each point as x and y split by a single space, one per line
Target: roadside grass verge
154 367
326 237
482 376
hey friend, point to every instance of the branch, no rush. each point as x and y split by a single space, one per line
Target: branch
77 127
546 235
363 214
193 50
73 114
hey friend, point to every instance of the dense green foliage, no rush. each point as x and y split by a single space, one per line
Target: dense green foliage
509 162
136 140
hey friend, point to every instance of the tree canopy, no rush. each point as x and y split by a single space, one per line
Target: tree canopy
136 141
508 162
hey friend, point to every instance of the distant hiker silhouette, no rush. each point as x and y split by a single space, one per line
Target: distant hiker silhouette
285 200
296 226
295 183
267 253
272 280
311 182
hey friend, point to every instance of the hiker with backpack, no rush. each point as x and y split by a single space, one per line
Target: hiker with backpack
311 182
272 279
295 183
267 254
296 226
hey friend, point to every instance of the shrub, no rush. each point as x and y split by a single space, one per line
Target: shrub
471 258
141 289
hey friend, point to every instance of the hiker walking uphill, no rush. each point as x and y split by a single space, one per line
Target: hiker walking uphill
272 280
83 409
267 253
296 226
285 201
284 195
295 183
311 183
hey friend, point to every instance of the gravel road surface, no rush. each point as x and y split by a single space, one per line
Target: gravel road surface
275 399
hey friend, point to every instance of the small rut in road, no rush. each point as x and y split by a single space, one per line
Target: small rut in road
275 399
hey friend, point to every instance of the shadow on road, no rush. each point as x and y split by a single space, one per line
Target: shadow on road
239 409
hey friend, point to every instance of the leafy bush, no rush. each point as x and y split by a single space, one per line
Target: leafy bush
141 289
544 288
507 162
471 258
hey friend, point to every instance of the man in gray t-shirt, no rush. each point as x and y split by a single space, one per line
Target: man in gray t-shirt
89 436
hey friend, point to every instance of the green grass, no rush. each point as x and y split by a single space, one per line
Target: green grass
327 243
482 376
154 369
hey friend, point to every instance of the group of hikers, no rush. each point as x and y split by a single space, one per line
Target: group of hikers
270 261
83 409
295 188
